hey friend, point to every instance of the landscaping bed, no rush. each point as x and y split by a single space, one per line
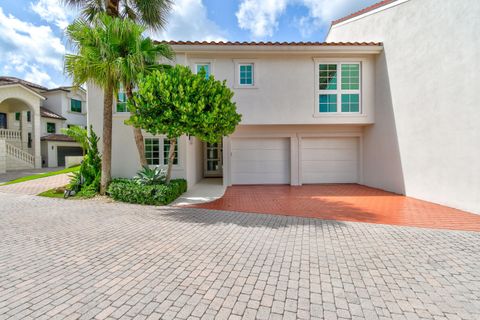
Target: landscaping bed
129 190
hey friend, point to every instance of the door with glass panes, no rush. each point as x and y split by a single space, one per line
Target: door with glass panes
213 159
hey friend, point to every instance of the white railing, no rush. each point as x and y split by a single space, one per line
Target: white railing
20 154
9 134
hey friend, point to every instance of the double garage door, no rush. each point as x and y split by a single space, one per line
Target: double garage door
268 160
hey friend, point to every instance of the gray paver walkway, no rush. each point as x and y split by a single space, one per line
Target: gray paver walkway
90 259
34 187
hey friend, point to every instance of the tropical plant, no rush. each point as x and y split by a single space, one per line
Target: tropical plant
149 176
152 13
177 102
103 45
78 134
87 180
143 53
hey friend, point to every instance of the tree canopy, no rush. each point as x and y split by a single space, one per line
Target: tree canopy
177 102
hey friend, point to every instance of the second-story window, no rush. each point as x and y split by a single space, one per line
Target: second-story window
51 127
338 88
122 102
75 105
246 74
203 66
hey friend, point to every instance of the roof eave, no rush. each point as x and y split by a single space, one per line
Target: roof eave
334 48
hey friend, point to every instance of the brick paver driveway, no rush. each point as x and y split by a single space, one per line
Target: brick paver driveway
89 259
37 186
343 202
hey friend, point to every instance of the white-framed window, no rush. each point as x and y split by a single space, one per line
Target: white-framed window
75 105
121 102
206 66
338 88
246 74
197 64
157 149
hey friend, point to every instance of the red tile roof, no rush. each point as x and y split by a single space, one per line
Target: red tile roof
238 43
6 80
57 137
44 112
365 10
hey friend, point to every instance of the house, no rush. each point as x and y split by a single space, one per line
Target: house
388 101
31 119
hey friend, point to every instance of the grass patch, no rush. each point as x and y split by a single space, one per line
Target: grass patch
42 175
52 193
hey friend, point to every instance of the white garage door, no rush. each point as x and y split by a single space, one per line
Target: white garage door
260 161
329 160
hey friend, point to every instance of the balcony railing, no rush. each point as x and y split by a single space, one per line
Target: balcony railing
9 134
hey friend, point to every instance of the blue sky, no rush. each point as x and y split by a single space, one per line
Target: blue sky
32 41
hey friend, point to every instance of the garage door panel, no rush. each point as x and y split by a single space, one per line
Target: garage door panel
259 154
260 166
329 154
264 178
312 166
260 161
329 160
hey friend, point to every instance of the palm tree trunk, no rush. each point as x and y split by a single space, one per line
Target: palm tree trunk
137 132
113 8
171 156
107 139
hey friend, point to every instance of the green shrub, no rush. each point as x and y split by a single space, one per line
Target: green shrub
128 190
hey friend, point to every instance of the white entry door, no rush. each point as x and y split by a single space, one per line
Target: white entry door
329 160
260 160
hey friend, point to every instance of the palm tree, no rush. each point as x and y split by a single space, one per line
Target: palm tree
151 13
141 59
103 46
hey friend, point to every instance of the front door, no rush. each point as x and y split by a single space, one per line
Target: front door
3 120
213 159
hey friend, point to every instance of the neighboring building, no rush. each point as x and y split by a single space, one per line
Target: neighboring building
31 119
389 102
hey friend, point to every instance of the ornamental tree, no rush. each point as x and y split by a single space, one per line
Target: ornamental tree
177 102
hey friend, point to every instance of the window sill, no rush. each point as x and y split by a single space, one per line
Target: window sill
339 114
239 86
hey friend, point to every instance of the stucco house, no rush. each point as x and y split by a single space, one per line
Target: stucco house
31 119
388 101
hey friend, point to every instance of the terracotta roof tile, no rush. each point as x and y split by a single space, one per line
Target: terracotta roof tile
44 112
251 43
6 80
364 10
57 137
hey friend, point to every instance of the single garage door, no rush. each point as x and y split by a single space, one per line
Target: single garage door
260 161
63 152
329 160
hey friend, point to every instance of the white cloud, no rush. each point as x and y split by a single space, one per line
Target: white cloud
261 17
54 11
189 21
35 75
27 48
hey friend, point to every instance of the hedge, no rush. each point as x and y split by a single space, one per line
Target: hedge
128 190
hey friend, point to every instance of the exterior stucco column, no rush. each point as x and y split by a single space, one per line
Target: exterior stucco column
36 136
3 156
23 129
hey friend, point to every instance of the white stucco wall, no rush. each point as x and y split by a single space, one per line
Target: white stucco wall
58 101
59 124
426 139
284 91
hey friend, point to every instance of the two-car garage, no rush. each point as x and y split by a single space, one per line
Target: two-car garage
294 160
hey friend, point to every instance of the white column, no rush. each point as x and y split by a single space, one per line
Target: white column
3 156
36 137
23 129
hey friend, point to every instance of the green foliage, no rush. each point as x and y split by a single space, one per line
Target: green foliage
78 134
149 176
177 102
152 13
88 177
128 190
